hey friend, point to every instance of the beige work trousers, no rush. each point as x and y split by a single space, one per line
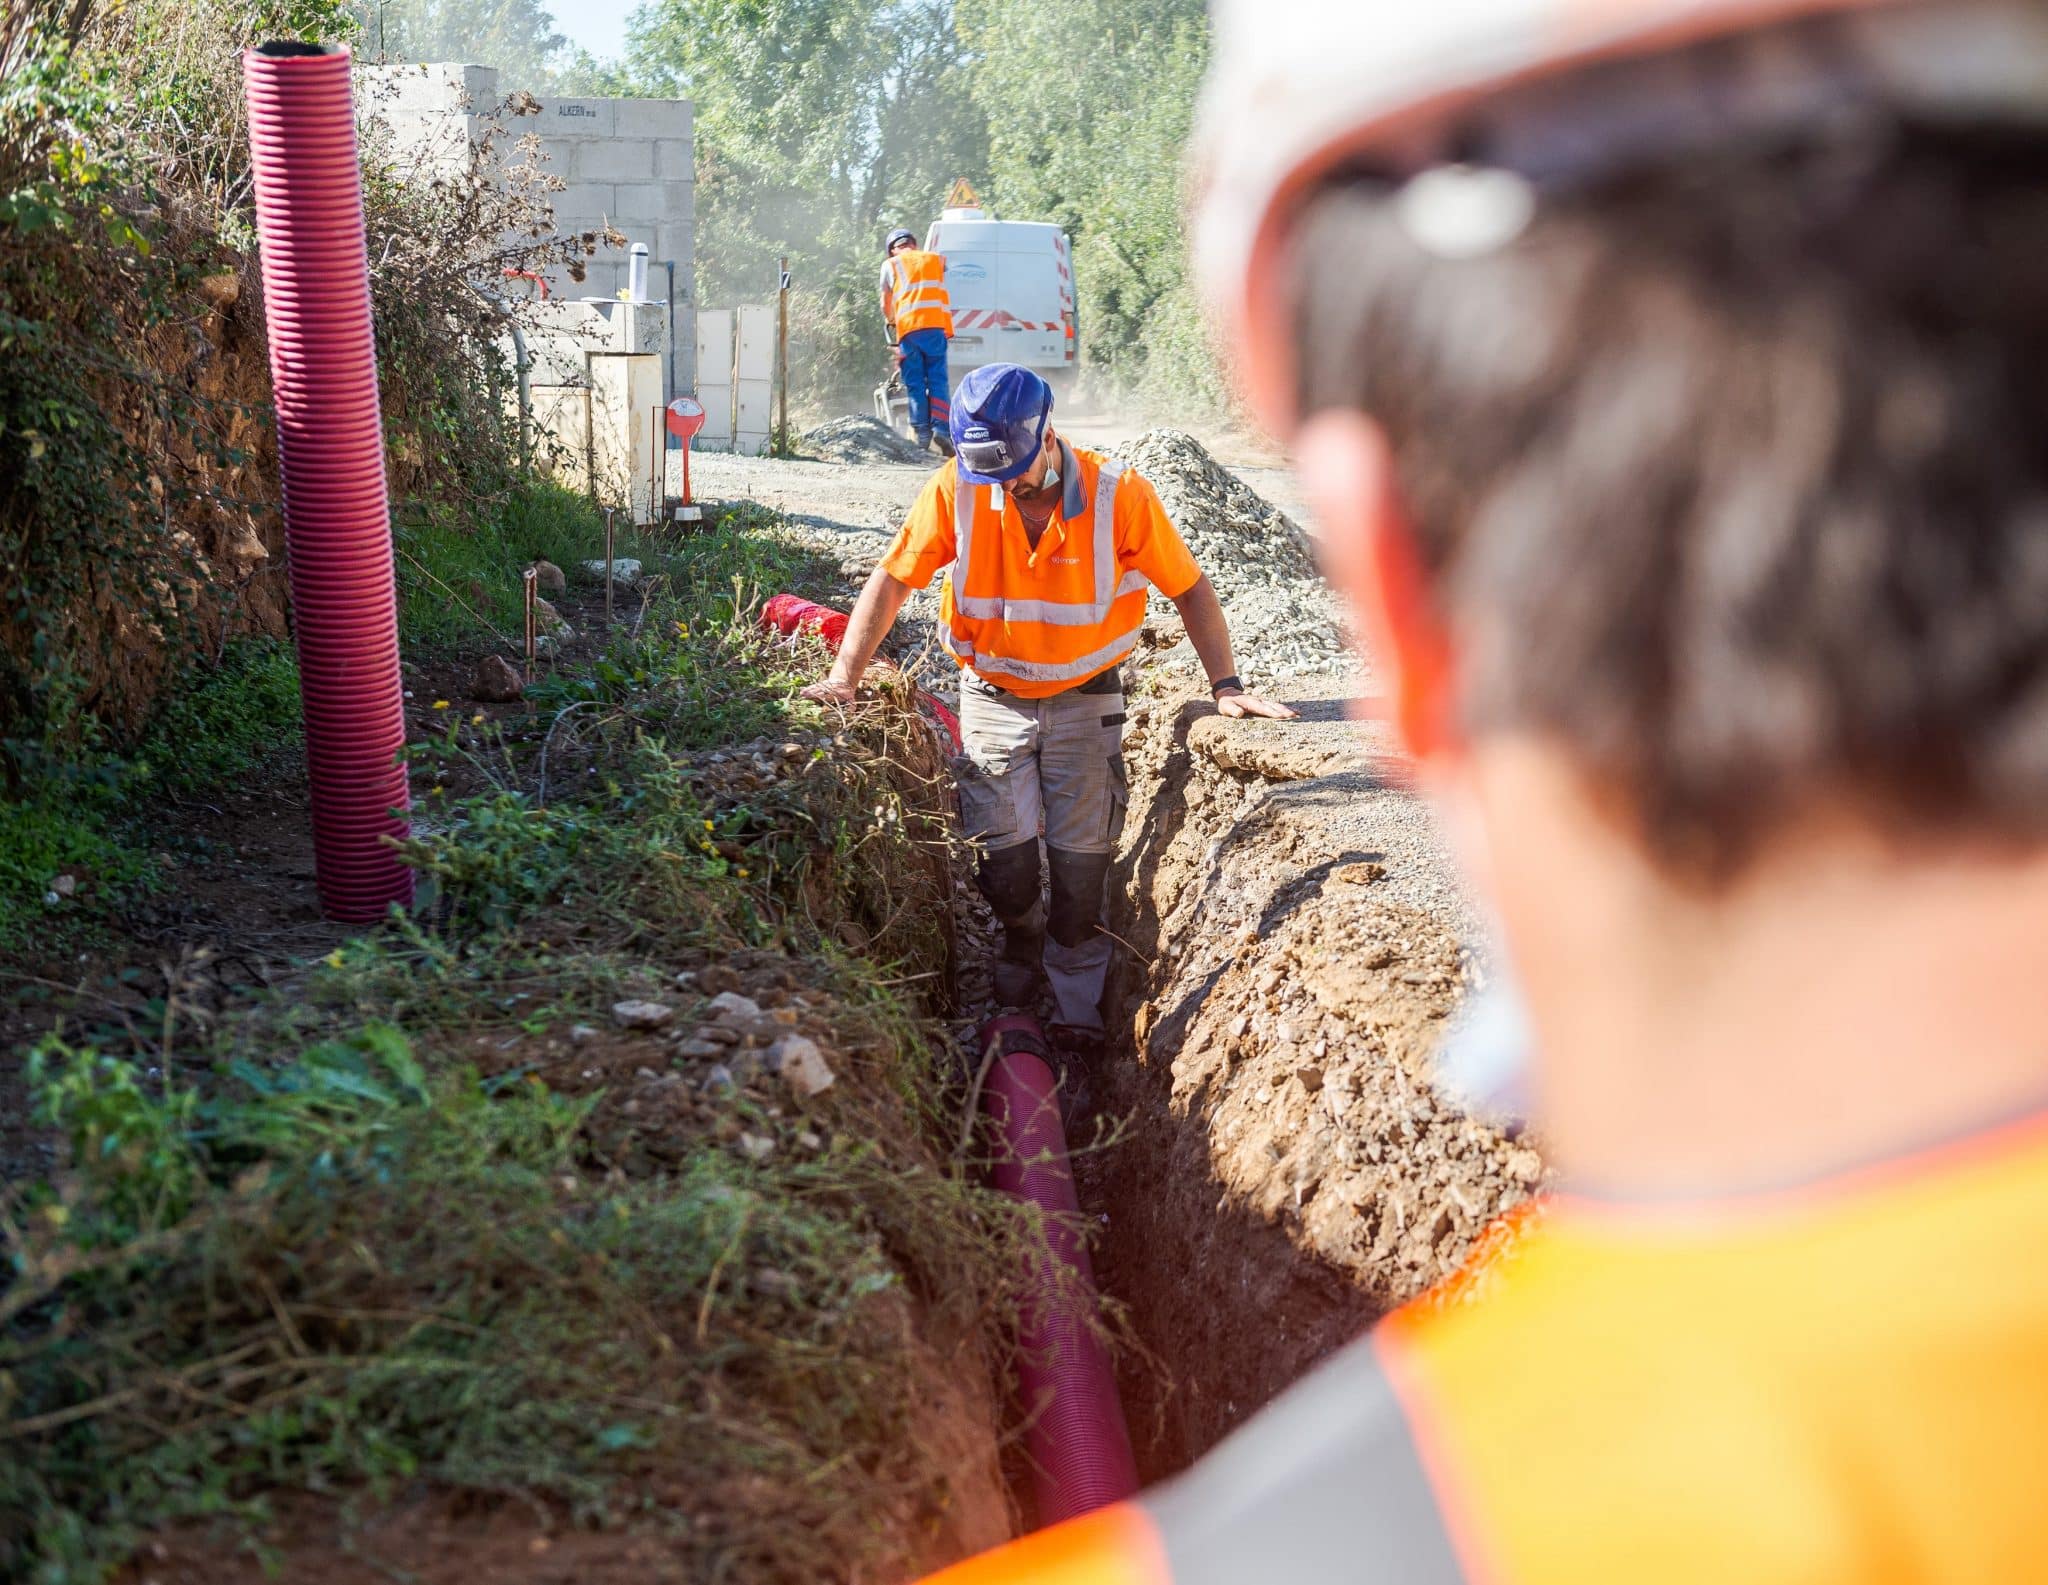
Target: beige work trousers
1048 768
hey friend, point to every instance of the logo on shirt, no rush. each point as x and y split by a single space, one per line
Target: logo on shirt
1066 561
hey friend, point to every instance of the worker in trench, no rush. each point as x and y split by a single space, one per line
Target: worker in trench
918 314
1048 551
1669 378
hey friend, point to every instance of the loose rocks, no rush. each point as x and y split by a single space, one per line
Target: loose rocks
625 571
496 681
641 1015
802 1065
859 438
1261 563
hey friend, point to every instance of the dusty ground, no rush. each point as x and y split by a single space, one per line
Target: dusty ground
1285 1169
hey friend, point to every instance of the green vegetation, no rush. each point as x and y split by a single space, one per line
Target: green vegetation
397 1222
822 124
86 813
137 471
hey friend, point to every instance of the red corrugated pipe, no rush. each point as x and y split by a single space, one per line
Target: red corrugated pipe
789 614
1079 1446
330 448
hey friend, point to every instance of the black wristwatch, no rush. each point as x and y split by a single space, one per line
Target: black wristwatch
1221 683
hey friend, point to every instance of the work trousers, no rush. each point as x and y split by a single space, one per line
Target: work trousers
1054 768
924 378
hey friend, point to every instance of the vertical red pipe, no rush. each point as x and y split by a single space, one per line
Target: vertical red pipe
1079 1445
330 448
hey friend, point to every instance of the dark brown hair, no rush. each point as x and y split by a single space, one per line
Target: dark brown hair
1734 480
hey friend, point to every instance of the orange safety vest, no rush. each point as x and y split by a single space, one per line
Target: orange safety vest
1842 1385
918 292
1039 621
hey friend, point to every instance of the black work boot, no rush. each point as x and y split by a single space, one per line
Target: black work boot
1019 973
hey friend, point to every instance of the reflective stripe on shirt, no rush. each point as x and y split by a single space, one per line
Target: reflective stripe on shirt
1060 613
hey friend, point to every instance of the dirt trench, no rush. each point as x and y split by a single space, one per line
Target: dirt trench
1296 944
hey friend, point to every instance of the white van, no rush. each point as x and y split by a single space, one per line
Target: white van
1011 287
1011 283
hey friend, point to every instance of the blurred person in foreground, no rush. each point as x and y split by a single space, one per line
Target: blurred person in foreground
1671 379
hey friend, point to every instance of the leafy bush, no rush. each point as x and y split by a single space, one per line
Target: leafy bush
223 722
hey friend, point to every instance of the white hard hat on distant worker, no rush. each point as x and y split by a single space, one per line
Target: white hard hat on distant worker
1301 92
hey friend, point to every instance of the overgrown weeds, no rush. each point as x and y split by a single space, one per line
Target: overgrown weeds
433 1220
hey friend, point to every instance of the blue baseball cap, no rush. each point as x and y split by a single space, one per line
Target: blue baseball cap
998 422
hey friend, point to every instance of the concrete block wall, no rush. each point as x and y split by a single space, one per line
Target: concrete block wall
626 164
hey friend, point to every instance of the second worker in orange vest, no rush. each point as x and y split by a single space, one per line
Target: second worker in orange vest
918 312
1048 552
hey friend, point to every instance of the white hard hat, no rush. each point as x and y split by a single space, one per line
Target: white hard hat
1301 90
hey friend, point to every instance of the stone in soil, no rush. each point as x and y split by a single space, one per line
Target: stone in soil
496 681
641 1015
625 571
802 1065
549 577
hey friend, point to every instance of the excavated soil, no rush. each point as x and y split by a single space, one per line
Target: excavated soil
855 437
1291 1173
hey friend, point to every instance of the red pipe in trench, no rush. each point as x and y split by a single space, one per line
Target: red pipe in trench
1079 1446
1075 1435
330 451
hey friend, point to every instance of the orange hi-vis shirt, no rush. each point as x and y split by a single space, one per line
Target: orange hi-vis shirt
1843 1385
917 292
1040 620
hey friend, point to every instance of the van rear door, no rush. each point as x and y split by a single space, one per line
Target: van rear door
1030 327
970 248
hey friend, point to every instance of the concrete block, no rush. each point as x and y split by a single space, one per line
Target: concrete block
440 85
610 160
674 240
653 118
577 118
584 206
557 360
641 327
554 156
675 160
561 421
655 202
422 143
624 392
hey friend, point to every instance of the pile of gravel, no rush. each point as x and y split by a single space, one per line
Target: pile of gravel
859 438
1283 618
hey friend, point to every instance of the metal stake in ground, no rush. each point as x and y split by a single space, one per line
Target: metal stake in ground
782 349
657 486
531 593
609 513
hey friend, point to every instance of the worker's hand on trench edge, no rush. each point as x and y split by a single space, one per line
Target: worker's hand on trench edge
832 691
1235 702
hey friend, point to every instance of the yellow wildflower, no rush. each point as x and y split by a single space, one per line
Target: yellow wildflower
440 704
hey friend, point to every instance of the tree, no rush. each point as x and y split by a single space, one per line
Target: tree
820 125
516 36
1090 105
